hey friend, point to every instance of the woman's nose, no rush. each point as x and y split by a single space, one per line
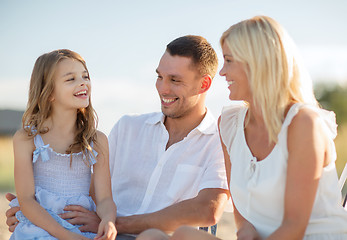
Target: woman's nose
222 72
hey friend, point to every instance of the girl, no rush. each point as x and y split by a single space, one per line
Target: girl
57 150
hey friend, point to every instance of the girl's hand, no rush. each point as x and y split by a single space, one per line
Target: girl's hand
248 232
107 231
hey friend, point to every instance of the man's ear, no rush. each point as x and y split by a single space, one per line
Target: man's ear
206 83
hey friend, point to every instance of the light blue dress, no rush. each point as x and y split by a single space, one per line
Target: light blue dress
57 184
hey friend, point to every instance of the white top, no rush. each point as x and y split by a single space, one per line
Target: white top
257 188
147 178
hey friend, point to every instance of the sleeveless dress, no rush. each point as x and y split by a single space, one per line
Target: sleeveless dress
56 185
257 187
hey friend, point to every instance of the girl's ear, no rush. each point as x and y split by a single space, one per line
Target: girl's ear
206 83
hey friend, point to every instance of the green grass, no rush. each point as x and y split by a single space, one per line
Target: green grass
6 164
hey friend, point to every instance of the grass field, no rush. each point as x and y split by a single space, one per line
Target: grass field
6 164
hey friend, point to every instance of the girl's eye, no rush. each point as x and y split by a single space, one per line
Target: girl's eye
86 77
70 79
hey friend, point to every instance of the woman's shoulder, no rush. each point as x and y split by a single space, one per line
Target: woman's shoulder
311 118
230 114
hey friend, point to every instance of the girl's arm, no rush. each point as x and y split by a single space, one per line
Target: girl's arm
105 207
23 147
307 151
245 230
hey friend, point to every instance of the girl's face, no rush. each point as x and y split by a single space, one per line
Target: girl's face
235 75
71 85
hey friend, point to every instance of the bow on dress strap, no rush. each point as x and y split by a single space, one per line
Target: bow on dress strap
91 158
43 151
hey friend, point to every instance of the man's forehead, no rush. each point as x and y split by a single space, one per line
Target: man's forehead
174 65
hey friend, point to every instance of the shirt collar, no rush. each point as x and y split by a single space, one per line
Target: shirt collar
207 126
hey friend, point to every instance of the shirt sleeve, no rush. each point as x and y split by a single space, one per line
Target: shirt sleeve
214 175
112 144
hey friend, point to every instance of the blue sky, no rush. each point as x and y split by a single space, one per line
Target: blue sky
122 42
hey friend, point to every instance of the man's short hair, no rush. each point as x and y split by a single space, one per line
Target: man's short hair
203 56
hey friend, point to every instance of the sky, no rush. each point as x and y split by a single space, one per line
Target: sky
123 41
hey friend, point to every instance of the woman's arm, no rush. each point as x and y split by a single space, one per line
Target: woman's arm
307 147
23 147
245 230
105 207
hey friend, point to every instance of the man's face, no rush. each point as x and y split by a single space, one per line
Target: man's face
178 85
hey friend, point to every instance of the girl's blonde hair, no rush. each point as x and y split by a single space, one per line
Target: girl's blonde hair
39 106
275 73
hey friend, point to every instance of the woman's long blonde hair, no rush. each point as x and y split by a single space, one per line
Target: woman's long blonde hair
39 106
275 73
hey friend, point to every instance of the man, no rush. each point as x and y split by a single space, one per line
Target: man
167 168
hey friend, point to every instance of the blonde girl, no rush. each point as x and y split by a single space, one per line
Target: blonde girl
59 155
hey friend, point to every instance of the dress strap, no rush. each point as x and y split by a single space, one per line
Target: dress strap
291 114
91 157
41 149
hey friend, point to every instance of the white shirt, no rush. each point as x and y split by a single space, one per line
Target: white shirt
257 187
147 178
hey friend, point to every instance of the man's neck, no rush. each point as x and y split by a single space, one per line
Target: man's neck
179 128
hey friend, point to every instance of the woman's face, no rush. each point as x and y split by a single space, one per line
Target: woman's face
235 75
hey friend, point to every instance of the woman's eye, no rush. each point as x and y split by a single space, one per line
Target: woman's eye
70 79
86 77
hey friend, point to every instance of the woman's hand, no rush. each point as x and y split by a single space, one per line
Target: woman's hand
247 232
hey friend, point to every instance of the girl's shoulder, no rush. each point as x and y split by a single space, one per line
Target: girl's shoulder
101 142
100 137
23 143
22 136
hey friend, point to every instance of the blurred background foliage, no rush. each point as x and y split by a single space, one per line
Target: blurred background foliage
333 97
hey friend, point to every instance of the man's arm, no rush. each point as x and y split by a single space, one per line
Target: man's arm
203 210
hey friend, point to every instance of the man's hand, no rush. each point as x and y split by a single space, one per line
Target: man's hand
78 215
11 220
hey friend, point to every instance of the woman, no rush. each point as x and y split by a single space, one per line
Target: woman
278 144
